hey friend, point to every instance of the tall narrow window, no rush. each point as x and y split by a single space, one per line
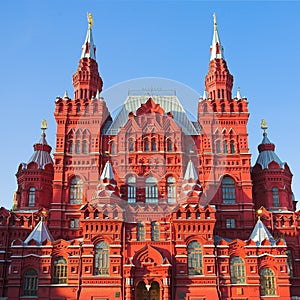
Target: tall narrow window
146 145
95 107
130 146
169 146
112 148
84 147
76 191
267 282
155 231
31 197
275 196
101 259
60 270
30 283
131 191
171 184
228 190
78 108
290 262
232 147
222 107
151 190
141 232
195 264
153 145
218 146
230 223
71 147
225 149
237 270
77 147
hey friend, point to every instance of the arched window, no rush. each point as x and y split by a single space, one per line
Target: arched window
101 259
112 148
222 107
275 196
228 190
69 108
155 231
225 148
195 265
84 147
95 107
237 270
267 282
169 146
131 189
146 145
153 145
60 270
71 147
232 147
205 107
78 108
231 108
151 190
141 232
218 146
240 107
60 107
31 197
130 146
30 283
76 191
171 188
77 147
214 107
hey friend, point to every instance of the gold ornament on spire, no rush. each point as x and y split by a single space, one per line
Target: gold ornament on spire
90 20
264 126
44 126
215 21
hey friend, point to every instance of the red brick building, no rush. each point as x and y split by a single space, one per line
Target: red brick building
150 204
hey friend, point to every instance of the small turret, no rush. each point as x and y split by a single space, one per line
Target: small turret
271 177
35 177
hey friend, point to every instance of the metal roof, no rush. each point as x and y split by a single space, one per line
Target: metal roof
40 233
261 233
190 172
168 103
41 156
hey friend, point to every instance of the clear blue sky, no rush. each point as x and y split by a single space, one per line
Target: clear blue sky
41 45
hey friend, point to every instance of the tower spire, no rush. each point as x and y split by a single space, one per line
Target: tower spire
216 49
89 48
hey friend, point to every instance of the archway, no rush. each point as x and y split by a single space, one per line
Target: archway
147 291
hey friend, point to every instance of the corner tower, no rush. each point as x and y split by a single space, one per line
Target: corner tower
77 159
224 153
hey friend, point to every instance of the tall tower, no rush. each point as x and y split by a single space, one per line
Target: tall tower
224 153
77 159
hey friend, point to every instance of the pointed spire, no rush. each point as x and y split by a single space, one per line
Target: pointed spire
108 172
190 172
98 95
238 94
267 149
40 233
66 96
41 154
205 95
216 49
261 233
89 48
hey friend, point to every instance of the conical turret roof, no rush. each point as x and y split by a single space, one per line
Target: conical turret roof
40 233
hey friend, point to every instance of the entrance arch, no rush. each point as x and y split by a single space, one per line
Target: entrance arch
147 292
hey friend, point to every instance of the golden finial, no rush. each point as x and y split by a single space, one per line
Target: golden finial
215 21
264 126
44 126
90 20
259 213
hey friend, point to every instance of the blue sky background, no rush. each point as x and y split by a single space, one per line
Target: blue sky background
41 45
